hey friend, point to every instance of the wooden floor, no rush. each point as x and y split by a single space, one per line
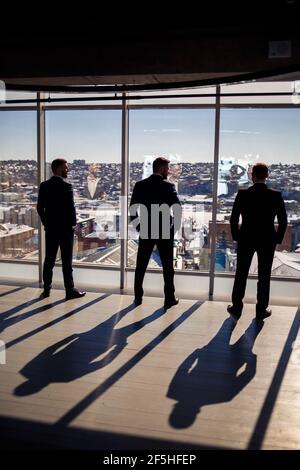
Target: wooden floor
100 373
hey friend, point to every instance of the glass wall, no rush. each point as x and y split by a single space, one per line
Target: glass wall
18 186
186 138
252 128
90 140
250 135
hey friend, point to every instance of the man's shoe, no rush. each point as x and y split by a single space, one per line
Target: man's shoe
170 303
137 301
45 294
261 314
74 294
234 313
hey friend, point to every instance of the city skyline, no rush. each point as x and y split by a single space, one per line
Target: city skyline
97 191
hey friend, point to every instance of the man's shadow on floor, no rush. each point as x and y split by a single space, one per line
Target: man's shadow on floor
76 355
8 318
213 374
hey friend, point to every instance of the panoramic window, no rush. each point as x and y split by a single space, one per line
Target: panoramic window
186 137
90 140
18 180
251 135
252 129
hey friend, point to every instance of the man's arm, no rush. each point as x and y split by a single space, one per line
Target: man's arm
282 220
69 203
176 207
133 206
235 217
41 204
73 209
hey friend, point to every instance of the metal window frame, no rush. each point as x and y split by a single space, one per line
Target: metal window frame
41 164
125 107
124 193
39 170
212 234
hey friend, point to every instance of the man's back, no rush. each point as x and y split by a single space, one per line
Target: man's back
155 190
258 206
55 204
153 193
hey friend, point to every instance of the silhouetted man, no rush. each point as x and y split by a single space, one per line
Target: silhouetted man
154 197
57 212
258 206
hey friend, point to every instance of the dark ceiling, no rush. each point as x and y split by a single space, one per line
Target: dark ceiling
147 45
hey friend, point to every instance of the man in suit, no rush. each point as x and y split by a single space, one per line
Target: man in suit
57 212
154 197
258 206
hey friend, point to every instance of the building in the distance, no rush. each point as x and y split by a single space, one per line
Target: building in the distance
14 240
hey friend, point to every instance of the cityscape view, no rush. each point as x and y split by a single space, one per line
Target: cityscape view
97 189
90 140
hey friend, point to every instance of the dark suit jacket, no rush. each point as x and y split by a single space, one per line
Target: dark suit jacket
56 204
258 206
155 190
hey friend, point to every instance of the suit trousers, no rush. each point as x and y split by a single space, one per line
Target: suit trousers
165 249
265 254
64 240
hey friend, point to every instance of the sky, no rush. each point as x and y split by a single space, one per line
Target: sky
95 135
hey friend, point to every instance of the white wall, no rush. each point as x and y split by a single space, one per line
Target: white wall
281 292
19 272
187 286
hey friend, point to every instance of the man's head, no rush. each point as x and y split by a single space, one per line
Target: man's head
161 166
260 173
60 167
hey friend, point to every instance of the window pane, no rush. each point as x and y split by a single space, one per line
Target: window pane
270 136
90 140
18 179
186 137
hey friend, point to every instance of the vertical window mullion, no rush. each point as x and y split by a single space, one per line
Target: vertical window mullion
41 155
215 196
124 193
